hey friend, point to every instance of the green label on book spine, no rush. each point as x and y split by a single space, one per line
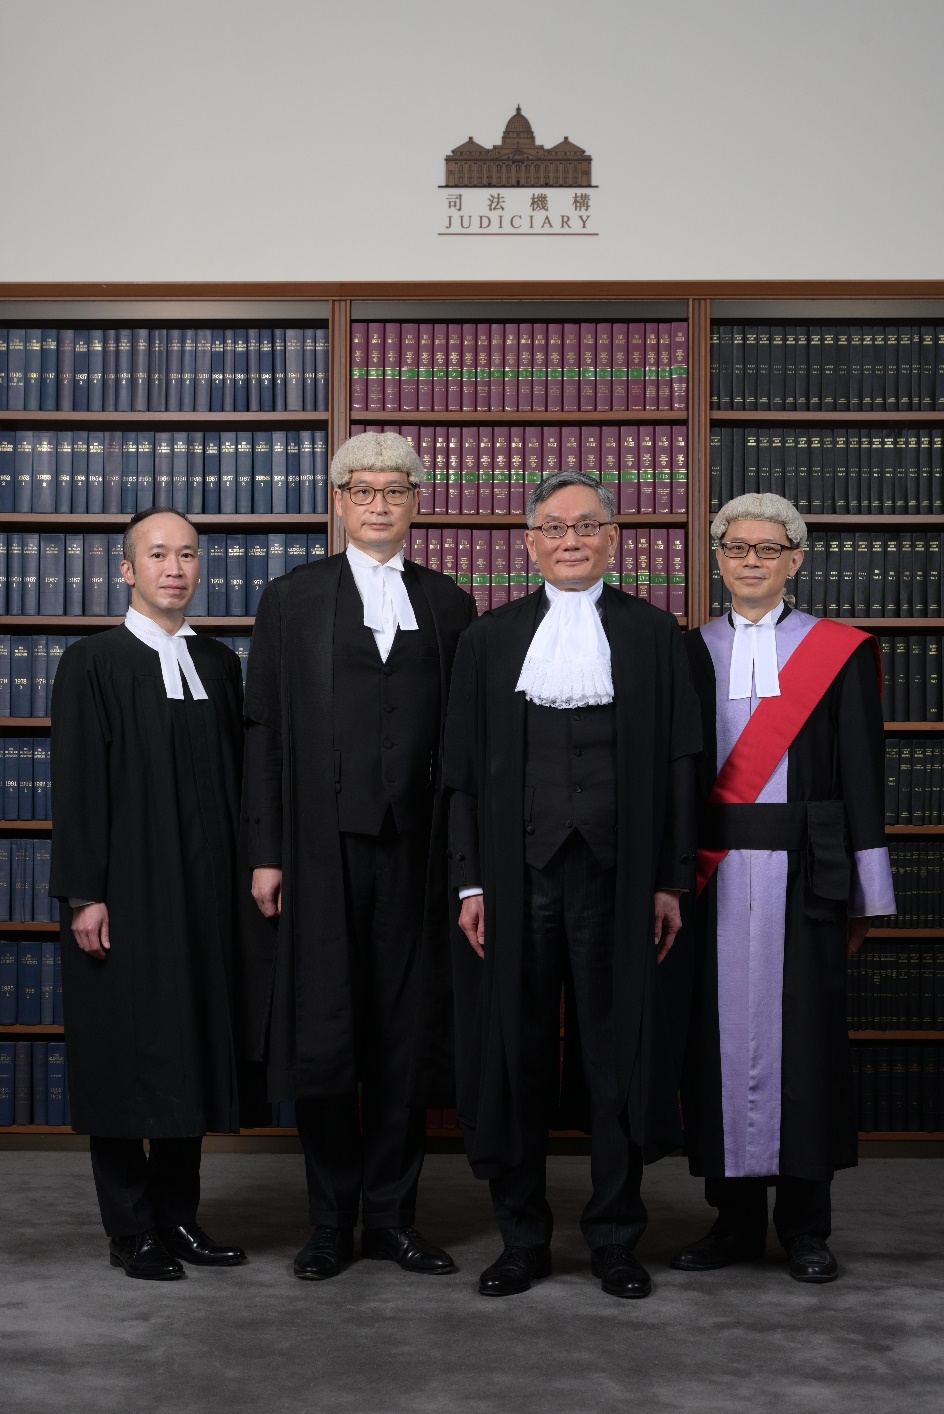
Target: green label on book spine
358 372
621 373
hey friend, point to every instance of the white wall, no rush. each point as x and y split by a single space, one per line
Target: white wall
203 139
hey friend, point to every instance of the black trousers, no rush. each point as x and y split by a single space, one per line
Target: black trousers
568 916
801 1207
374 1160
138 1191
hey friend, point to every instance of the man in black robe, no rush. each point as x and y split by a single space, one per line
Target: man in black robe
570 739
146 760
345 698
792 863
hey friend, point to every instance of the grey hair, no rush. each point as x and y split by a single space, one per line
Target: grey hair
761 505
376 451
558 480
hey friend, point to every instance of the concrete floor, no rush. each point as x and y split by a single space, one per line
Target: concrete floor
76 1335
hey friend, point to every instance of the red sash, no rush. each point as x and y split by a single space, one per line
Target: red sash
811 668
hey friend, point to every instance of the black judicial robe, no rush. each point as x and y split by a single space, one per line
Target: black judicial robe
296 1000
145 808
658 734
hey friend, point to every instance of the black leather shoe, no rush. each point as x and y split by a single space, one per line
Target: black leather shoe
325 1254
619 1271
408 1248
811 1260
144 1255
191 1244
515 1270
719 1249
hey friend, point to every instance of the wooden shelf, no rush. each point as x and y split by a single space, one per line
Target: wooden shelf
914 829
880 625
12 520
13 724
896 1035
19 827
894 727
526 419
853 419
878 520
893 1136
22 418
31 1030
905 933
48 928
36 1129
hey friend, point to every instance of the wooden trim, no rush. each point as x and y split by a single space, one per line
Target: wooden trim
905 933
13 724
25 827
224 420
11 927
554 419
914 829
852 419
30 1031
894 727
896 1035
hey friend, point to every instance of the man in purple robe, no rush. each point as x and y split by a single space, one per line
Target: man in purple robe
792 865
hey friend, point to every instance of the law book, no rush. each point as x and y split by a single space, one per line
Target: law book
31 572
55 1083
516 470
7 471
454 471
112 479
72 453
202 371
440 469
8 962
63 488
25 780
119 592
486 485
103 354
21 676
586 390
317 545
252 369
22 1083
235 576
524 352
359 365
570 366
627 561
539 367
391 367
555 368
468 367
49 370
664 387
244 473
21 886
6 897
33 369
157 370
140 345
551 455
629 470
7 1082
5 695
16 370
215 574
677 572
610 460
495 393
296 551
375 366
409 364
417 546
643 564
679 366
663 470
651 368
257 570
3 370
619 367
305 502
14 575
464 559
95 588
320 457
275 556
80 374
240 369
603 400
426 450
470 470
39 1067
11 778
211 472
481 569
659 568
321 369
832 574
52 575
647 471
91 455
43 496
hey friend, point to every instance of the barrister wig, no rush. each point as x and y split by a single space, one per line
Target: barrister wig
376 451
763 505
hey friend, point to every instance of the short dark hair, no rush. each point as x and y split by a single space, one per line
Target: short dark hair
558 480
127 544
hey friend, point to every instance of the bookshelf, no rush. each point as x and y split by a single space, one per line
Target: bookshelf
702 306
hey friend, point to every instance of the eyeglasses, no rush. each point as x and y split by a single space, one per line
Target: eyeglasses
557 529
393 495
766 550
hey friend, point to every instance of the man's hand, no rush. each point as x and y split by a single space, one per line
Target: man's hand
267 891
472 922
856 929
668 920
90 930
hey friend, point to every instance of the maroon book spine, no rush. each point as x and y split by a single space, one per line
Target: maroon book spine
427 450
409 367
570 448
510 399
629 470
496 387
375 367
454 473
642 564
391 367
604 371
482 569
357 428
464 559
440 368
659 568
486 484
358 367
590 451
501 468
651 379
555 367
539 368
647 472
550 451
571 367
418 546
483 367
516 470
680 470
588 368
424 384
453 401
610 461
450 551
637 367
434 549
620 365
665 367
677 572
525 365
469 367
628 561
500 585
441 493
533 460
663 470
517 565
470 470
680 366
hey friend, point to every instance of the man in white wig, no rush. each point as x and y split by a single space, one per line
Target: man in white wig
570 743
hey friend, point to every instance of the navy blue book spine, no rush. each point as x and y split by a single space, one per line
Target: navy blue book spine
317 545
197 609
40 777
6 871
34 364
96 370
241 373
64 473
43 499
39 1058
119 592
229 370
279 497
211 473
216 370
31 572
67 1117
257 570
188 363
320 447
15 572
47 982
292 474
252 369
195 473
7 983
79 473
157 371
278 370
49 371
306 472
296 550
294 371
201 378
7 473
39 680
75 573
140 346
55 1084
216 576
96 472
52 582
308 369
95 596
42 913
321 370
124 364
16 369
80 376
112 472
27 976
145 491
240 647
7 1082
276 556
5 697
227 473
163 469
23 473
65 370
11 779
129 472
22 1083
174 357
179 473
3 370
21 675
57 991
55 647
244 505
266 370
25 779
262 473
235 576
110 339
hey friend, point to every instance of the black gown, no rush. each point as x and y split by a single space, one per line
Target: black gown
145 804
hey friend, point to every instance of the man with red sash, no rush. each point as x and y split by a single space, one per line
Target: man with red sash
792 865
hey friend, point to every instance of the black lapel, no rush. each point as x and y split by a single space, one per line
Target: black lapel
311 604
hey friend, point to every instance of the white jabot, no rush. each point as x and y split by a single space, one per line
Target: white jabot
173 652
568 663
386 602
754 656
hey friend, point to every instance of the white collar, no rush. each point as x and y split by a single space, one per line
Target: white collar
593 593
357 559
568 662
373 586
173 652
754 666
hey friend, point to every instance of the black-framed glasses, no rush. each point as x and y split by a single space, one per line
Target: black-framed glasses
764 550
585 527
393 495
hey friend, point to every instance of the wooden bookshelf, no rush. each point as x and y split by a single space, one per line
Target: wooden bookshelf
896 1035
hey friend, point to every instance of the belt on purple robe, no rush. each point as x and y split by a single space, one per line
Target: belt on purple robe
816 826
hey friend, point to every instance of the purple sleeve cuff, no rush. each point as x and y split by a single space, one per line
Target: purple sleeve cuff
872 894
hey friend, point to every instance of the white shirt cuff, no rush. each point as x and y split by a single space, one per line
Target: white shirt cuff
471 892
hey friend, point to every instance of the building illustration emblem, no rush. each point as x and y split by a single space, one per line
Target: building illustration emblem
518 161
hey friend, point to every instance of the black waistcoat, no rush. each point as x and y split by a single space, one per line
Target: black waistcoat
570 781
386 716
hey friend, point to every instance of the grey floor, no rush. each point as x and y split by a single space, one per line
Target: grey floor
76 1335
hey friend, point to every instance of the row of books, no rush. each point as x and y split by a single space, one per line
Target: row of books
28 666
158 369
492 470
896 986
283 1117
34 1087
861 574
76 574
899 1089
26 786
913 767
911 666
30 982
827 367
524 367
24 882
120 472
918 877
832 470
494 565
